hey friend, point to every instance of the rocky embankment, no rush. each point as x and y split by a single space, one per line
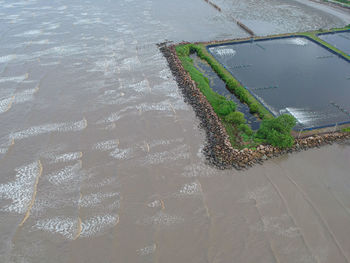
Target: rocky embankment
218 149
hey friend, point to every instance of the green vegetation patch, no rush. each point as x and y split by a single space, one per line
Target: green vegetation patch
346 129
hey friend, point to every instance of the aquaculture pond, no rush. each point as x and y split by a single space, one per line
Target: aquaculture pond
292 75
219 86
341 40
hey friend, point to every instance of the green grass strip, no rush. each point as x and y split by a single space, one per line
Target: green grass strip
324 43
215 99
232 84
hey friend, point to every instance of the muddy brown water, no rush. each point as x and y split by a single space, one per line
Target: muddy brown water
101 158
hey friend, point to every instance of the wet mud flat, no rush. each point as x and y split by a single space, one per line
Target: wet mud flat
293 75
341 40
218 150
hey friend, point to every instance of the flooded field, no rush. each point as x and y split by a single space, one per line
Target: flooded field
292 75
340 40
101 158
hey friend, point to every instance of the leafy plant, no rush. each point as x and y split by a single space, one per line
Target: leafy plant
277 131
245 128
235 118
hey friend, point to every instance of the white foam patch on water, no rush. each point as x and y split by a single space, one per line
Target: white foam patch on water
61 8
199 170
223 51
47 128
121 154
165 74
53 63
25 95
39 42
113 97
165 105
161 218
190 189
147 250
66 157
261 195
106 145
30 33
69 227
99 182
155 204
178 153
108 66
3 150
129 63
88 21
299 41
51 26
116 115
7 58
59 51
20 191
156 143
16 79
95 199
304 116
5 104
66 175
141 86
64 226
277 225
98 224
166 87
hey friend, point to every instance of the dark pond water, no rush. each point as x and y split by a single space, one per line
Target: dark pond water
339 40
292 75
219 86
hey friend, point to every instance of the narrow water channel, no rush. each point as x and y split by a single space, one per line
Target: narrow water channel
219 86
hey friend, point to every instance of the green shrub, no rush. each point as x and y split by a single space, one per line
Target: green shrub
277 131
346 129
245 128
253 108
235 118
226 107
280 140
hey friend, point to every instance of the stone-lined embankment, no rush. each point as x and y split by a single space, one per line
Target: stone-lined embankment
218 149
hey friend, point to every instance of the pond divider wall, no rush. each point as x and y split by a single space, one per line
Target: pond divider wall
333 32
213 5
218 149
240 24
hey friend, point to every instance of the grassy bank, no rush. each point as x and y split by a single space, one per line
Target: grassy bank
314 36
220 104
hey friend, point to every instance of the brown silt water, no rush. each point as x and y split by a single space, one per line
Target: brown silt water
101 159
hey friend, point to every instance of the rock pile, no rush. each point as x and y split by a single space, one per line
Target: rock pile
218 149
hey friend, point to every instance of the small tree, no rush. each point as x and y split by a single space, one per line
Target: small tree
245 128
235 118
226 107
277 131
